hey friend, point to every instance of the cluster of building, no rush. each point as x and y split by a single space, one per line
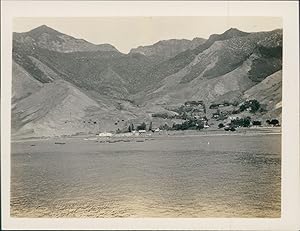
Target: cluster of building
127 134
195 109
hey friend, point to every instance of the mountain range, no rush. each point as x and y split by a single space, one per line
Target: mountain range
64 86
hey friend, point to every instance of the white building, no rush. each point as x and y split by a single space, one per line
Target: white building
105 134
135 133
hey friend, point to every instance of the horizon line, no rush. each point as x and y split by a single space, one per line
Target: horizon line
145 45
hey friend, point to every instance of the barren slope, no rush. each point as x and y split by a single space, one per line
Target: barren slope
269 93
64 86
228 66
48 38
23 84
166 49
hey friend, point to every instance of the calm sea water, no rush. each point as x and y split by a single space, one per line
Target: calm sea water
222 176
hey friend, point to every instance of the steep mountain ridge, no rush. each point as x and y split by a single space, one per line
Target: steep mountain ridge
47 108
85 69
176 63
23 84
227 65
224 56
166 49
75 87
59 108
269 93
48 38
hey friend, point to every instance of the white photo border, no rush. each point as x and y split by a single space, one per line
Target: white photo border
290 115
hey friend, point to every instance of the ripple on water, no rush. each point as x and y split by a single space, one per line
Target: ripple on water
177 177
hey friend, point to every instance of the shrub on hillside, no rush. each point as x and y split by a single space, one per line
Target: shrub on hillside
221 125
243 122
256 123
273 122
142 126
191 124
252 105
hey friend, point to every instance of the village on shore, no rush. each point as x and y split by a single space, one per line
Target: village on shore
194 116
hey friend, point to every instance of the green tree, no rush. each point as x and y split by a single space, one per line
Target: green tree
142 126
184 116
221 125
150 126
256 123
243 122
274 122
254 105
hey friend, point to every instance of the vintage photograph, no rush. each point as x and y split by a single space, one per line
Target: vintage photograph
146 117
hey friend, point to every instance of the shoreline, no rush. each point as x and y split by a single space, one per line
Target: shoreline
163 134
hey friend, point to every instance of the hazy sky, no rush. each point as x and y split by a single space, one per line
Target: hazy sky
130 32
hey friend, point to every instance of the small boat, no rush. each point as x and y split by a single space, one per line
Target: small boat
60 143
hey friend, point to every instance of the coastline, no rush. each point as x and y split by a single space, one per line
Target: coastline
254 131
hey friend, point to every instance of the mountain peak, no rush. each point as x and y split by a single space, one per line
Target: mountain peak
41 30
47 38
232 32
168 48
44 29
106 47
44 26
233 29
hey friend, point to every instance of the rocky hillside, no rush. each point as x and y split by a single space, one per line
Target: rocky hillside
64 86
269 93
175 64
86 70
166 49
50 39
59 108
230 65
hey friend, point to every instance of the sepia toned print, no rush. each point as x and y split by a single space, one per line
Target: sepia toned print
180 127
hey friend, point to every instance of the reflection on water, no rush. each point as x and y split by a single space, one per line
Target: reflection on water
225 176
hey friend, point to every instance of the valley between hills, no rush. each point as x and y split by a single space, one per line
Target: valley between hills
65 86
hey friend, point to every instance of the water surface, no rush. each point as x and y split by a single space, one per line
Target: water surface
222 176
